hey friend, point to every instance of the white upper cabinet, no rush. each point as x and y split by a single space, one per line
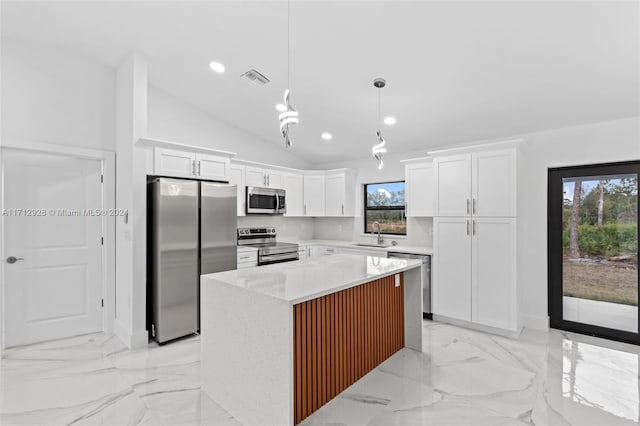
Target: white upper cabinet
482 183
236 177
255 177
493 183
419 188
265 178
453 185
179 163
339 190
212 167
293 186
172 162
313 195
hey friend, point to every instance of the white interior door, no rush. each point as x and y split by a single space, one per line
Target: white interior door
54 289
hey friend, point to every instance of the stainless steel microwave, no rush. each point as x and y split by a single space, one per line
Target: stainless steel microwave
265 201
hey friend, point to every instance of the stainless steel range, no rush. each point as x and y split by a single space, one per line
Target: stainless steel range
269 251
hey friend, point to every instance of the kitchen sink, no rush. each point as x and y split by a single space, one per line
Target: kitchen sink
372 245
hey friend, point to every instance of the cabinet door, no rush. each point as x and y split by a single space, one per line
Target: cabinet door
335 186
302 252
292 184
452 267
313 195
453 185
493 285
494 183
171 162
254 176
275 179
212 167
236 177
419 189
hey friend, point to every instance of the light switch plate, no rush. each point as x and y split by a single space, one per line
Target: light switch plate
397 280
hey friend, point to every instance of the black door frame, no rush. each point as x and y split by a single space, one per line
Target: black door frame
554 247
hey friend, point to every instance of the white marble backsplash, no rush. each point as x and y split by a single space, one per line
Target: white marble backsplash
419 229
299 228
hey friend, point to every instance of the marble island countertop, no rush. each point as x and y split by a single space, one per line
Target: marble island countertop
298 281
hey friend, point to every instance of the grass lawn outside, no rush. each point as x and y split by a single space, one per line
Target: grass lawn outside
605 281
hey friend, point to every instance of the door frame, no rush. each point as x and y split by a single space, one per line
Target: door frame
554 248
107 162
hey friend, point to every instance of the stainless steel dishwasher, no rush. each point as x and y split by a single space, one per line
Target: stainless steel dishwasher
426 278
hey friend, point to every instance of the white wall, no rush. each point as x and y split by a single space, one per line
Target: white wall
590 144
53 95
171 118
419 230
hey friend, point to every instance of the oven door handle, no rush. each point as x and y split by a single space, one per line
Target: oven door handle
276 257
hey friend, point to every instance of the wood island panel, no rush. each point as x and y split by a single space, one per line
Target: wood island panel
340 337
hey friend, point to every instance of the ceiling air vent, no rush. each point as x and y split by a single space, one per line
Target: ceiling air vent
255 76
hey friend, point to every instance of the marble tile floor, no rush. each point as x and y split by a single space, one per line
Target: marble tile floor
463 377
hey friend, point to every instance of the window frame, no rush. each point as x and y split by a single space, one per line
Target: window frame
365 207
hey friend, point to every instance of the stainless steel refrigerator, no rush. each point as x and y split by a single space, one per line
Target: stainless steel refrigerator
191 231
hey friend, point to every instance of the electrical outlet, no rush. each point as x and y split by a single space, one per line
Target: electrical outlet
397 276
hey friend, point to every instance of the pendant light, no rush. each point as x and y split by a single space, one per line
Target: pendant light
379 149
289 116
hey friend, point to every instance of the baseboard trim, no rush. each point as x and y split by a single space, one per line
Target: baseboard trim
138 339
478 327
536 322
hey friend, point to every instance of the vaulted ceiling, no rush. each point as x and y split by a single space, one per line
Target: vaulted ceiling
456 71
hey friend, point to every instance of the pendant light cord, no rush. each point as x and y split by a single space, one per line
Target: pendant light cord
379 101
288 44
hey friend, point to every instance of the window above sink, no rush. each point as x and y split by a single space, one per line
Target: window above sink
384 203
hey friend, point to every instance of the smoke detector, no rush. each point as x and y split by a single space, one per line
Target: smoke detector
256 76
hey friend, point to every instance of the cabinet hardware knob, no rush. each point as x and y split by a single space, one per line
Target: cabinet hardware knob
12 259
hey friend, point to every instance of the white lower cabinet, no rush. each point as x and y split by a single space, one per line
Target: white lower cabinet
318 250
302 252
247 258
493 277
452 267
474 270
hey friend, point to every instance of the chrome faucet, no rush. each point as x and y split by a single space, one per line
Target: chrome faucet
373 226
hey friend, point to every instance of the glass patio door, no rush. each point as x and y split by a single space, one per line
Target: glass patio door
593 250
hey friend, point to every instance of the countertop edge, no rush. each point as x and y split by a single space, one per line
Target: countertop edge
348 285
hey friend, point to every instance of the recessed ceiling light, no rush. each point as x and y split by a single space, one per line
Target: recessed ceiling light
326 136
389 121
281 107
217 67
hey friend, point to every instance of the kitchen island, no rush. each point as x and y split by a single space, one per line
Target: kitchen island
280 341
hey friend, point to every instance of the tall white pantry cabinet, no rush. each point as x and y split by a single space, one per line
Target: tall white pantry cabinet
474 236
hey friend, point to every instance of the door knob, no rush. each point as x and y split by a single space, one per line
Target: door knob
13 259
